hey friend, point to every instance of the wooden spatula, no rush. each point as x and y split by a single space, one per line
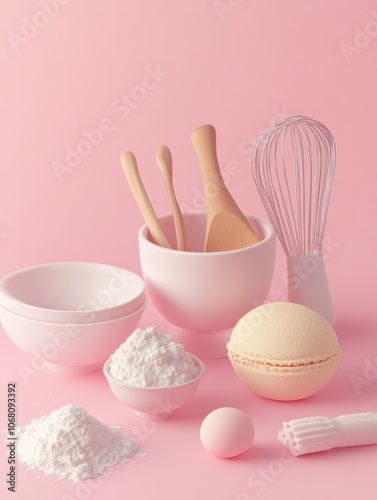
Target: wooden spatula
131 171
165 162
227 226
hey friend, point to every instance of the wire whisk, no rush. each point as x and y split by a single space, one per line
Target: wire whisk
293 166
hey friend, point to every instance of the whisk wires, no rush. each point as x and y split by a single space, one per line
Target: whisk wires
293 167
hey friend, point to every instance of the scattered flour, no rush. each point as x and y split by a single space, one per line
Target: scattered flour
149 358
72 444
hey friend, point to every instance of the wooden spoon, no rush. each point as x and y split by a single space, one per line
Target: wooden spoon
131 170
165 162
227 226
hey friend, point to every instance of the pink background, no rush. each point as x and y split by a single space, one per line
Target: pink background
239 65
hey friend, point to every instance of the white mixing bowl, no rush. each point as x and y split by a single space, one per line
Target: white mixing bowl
204 294
72 292
69 348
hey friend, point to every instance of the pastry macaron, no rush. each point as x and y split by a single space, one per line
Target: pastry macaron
284 351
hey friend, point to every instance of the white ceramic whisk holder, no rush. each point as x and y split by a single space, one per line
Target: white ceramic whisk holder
308 285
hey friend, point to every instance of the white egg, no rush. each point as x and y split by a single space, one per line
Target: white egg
227 432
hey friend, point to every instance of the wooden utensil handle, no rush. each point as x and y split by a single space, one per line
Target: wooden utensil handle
204 141
165 163
131 171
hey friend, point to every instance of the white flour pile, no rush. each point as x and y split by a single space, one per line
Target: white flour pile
72 444
149 358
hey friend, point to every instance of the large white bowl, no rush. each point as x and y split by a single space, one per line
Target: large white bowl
68 348
206 292
72 292
154 402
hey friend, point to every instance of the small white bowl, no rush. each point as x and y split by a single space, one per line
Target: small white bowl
72 292
154 403
68 348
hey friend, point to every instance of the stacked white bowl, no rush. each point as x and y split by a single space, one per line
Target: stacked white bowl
71 316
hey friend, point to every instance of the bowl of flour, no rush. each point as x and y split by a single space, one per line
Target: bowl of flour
152 374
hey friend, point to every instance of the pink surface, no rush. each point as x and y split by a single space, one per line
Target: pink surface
145 73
